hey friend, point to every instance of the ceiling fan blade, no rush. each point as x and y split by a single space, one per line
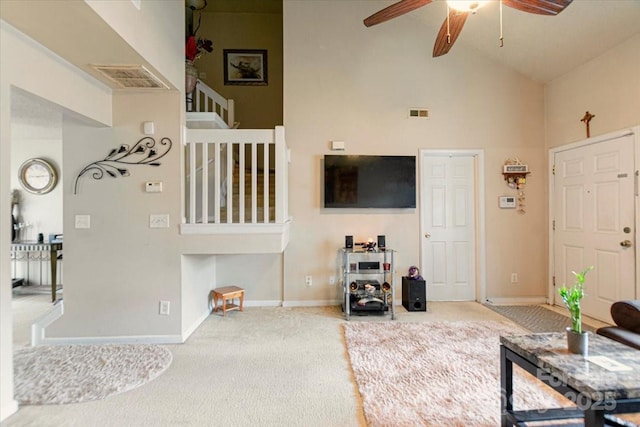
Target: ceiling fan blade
395 10
539 7
443 43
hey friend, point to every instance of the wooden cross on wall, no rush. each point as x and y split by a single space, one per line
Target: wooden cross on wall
586 119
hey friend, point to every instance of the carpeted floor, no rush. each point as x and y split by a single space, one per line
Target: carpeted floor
265 366
535 318
81 373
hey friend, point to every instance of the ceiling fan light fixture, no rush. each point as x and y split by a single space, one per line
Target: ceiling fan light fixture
466 5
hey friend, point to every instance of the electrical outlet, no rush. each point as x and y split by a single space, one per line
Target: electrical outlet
514 277
332 280
308 280
165 308
159 221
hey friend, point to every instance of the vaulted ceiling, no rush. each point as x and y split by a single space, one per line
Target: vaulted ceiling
541 47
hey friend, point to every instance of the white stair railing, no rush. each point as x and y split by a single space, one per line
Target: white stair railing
205 99
217 195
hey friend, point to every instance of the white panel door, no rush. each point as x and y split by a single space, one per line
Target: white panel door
448 224
594 222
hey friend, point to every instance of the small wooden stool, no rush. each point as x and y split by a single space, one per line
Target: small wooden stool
228 293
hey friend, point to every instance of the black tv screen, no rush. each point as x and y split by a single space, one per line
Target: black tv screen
369 181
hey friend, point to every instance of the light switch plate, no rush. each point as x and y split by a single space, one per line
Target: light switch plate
83 221
159 221
153 187
149 128
337 145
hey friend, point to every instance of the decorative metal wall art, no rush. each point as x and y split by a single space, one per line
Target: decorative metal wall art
144 152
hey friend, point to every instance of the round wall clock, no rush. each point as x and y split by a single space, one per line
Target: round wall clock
38 176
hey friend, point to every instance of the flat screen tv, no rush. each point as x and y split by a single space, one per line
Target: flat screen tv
369 181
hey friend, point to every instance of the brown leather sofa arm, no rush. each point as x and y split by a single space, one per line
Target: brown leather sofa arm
626 315
621 335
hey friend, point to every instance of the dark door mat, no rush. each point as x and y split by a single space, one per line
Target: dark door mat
536 318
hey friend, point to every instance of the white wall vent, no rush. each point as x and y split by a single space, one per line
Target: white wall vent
419 113
130 76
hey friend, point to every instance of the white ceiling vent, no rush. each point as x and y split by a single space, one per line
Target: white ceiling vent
130 76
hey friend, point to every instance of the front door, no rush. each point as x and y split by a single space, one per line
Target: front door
594 222
448 226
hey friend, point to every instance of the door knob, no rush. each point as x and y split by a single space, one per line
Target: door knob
427 235
625 243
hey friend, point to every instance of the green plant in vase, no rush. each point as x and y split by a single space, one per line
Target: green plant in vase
571 298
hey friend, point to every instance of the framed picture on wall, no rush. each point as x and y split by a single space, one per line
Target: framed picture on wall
245 67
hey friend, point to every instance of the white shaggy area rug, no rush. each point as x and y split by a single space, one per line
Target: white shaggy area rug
80 373
436 373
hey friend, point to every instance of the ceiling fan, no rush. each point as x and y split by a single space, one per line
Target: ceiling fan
458 12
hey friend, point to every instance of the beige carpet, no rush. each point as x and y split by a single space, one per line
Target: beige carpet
267 367
80 373
436 374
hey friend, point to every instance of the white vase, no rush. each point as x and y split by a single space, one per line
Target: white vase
191 76
190 80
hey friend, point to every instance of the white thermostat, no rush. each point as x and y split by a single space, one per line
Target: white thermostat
507 202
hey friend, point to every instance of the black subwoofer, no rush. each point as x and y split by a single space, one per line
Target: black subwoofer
414 294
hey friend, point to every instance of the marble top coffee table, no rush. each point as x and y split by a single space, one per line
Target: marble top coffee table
605 382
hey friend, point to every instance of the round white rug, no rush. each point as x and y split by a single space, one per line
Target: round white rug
80 373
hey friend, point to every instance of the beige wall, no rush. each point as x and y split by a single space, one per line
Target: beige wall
138 266
607 86
28 66
256 107
346 82
87 104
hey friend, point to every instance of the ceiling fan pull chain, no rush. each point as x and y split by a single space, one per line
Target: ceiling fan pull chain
501 37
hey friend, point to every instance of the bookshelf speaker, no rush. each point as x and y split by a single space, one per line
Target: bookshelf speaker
348 242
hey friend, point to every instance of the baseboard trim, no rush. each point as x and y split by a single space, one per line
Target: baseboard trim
38 336
311 303
263 303
39 326
516 300
9 409
138 339
187 333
